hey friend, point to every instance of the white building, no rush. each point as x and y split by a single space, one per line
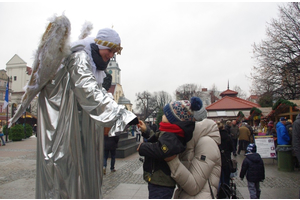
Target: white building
19 74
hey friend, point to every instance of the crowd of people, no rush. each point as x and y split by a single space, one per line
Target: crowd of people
195 154
78 121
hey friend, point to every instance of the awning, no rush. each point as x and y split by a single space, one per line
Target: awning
3 116
28 115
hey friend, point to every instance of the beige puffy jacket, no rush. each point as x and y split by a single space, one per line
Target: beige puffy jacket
199 162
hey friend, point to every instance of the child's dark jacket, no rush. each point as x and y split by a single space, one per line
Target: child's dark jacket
253 167
159 146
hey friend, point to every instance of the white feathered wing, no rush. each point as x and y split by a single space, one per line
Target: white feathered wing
54 46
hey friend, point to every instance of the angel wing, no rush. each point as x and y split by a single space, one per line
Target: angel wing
53 47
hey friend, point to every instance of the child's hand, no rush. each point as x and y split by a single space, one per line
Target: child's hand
168 159
142 126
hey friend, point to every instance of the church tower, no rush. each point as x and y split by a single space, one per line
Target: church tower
116 88
114 70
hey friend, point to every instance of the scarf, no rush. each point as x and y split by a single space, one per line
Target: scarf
100 64
172 128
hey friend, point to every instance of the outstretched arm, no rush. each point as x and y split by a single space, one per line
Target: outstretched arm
93 99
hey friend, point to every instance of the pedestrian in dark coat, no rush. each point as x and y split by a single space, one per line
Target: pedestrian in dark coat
289 129
226 148
254 169
234 134
154 127
228 126
296 139
110 146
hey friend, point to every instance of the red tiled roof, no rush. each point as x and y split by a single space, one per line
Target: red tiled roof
254 97
228 92
231 103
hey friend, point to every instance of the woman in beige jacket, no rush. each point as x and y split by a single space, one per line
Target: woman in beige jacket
198 164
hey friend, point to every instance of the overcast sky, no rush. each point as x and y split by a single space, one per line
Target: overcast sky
166 43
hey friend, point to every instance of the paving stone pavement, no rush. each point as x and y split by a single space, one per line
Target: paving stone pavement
18 164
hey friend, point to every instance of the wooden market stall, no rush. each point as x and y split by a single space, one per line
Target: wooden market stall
255 115
284 108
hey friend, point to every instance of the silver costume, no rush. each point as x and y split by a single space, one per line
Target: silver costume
73 111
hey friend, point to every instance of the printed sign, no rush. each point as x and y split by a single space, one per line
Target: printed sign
265 146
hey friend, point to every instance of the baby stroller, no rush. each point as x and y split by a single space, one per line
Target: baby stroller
229 191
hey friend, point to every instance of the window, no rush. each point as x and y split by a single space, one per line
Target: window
221 113
15 78
2 96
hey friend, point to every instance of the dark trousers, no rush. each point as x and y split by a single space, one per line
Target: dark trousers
113 158
138 137
234 145
1 136
225 175
243 145
160 192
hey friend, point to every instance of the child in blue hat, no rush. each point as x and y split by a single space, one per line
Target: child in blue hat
254 169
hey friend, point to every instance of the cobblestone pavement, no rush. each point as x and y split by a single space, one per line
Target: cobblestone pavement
125 174
18 164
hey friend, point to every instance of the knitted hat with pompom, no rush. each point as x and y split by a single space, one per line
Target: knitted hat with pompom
197 107
184 110
178 111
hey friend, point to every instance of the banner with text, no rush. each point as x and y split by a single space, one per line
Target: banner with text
265 146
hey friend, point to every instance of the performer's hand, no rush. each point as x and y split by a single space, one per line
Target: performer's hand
135 121
142 126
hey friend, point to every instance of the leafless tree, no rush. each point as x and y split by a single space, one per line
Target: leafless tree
214 93
162 98
278 62
186 91
241 93
145 103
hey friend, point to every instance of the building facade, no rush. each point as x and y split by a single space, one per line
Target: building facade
18 73
116 88
3 82
229 106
